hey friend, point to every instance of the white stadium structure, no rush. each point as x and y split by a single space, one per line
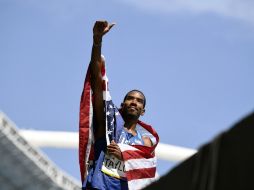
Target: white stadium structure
24 166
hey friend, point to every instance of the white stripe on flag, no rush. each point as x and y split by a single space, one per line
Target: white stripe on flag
106 96
125 147
140 163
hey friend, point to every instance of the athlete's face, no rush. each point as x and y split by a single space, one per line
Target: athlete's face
133 105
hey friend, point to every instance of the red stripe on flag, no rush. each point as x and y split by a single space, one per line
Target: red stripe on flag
141 173
104 85
135 154
84 124
103 70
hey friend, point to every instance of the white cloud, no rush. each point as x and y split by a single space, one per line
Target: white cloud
241 9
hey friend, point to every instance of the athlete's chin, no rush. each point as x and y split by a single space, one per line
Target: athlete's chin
132 115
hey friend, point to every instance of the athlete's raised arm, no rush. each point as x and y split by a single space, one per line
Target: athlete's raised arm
97 62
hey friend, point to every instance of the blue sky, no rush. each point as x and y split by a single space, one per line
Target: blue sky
193 60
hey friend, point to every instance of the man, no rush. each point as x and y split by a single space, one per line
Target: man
119 139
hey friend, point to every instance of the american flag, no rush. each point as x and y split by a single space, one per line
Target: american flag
140 161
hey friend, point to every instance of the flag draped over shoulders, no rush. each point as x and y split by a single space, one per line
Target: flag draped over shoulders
139 160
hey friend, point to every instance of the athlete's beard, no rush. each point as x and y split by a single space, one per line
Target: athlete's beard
128 116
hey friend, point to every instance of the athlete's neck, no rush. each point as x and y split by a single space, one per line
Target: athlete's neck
131 127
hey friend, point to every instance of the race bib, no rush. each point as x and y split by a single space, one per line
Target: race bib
113 167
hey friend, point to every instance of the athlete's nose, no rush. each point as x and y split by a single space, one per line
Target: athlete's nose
133 102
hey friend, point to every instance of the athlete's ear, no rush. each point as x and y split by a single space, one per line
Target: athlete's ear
121 105
143 112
